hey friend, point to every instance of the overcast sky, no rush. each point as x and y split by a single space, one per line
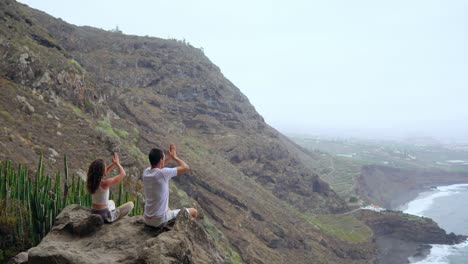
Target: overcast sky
349 68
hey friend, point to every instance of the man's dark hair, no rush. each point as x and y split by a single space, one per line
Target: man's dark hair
155 156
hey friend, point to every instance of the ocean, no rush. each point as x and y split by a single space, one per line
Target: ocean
447 205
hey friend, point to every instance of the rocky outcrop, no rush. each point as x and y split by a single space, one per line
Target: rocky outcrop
80 237
400 236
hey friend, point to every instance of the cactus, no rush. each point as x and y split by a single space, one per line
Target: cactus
119 202
34 203
65 183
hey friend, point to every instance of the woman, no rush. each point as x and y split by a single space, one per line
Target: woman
99 190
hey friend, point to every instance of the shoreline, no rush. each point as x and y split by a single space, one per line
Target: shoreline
423 252
407 197
414 251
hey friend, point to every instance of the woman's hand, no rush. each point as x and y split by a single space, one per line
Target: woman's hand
121 175
115 158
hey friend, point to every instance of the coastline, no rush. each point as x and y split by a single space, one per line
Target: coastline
392 187
401 250
422 202
396 250
406 197
408 251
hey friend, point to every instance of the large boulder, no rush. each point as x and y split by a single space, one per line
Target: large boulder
80 237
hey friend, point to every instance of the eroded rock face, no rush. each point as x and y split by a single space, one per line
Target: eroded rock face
399 236
78 237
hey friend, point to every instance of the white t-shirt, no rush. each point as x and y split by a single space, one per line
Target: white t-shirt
156 190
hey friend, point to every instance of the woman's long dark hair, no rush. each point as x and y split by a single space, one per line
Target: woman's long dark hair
95 172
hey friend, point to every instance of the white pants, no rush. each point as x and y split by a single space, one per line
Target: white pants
159 221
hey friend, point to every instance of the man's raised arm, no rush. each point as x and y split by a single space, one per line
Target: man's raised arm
182 167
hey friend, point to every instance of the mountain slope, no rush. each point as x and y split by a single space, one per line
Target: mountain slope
87 92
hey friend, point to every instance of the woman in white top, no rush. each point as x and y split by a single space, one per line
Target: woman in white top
99 190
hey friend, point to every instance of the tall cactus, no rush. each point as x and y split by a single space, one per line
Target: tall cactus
65 182
35 202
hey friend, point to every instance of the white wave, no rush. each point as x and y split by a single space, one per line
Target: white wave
440 254
424 201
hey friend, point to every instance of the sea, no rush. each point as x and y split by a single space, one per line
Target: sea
448 206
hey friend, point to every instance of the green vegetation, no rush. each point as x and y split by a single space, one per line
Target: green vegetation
136 153
339 161
76 65
414 218
105 127
75 109
344 227
29 206
412 153
230 255
7 116
339 172
409 217
121 133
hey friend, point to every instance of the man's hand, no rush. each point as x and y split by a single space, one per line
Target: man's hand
172 151
181 165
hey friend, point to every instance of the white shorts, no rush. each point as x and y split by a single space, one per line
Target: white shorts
158 221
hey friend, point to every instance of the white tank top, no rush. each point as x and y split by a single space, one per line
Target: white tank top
101 196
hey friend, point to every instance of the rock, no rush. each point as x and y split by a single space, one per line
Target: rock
78 220
23 59
88 225
112 115
21 258
53 153
26 106
45 79
81 237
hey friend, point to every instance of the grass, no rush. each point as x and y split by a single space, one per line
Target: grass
75 109
104 126
410 217
76 65
343 227
137 154
121 133
7 116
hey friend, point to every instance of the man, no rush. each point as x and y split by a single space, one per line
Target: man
156 187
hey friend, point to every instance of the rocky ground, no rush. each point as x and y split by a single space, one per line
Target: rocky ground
79 237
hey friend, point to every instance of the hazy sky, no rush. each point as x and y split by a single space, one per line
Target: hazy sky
370 68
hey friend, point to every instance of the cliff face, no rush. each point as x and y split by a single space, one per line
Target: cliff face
400 236
87 92
392 187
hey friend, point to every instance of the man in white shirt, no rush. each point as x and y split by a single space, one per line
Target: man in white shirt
156 187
